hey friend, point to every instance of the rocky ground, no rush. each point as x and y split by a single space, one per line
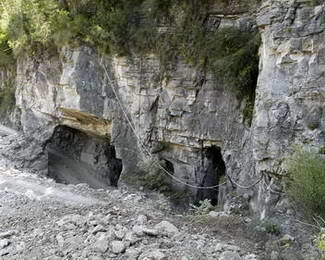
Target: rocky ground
41 219
44 220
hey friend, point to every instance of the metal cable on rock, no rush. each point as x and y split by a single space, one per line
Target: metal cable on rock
245 187
146 152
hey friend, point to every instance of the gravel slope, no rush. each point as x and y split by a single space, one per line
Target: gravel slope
41 219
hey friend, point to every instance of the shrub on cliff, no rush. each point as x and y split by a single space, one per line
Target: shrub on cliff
307 182
170 29
152 177
26 23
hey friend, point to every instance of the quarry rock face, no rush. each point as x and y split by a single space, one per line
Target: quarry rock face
290 96
194 123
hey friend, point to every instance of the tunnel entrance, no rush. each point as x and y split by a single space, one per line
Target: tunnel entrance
75 157
213 169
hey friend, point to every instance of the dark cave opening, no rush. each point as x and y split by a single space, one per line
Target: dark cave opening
214 169
76 157
169 166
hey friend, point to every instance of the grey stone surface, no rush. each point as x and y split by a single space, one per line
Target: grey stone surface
179 118
117 247
102 244
220 247
153 255
291 85
229 255
4 243
132 253
7 234
167 228
57 221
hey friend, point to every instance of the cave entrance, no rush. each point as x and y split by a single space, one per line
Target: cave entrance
169 166
214 168
75 157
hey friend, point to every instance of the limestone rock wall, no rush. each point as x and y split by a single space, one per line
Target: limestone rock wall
178 118
290 99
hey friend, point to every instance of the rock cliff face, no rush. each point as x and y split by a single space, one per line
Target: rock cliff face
289 107
195 123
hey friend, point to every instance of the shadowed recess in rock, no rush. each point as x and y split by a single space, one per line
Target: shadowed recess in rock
75 157
213 169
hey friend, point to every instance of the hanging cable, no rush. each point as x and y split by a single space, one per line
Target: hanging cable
147 153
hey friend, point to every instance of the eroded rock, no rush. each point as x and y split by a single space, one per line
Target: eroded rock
167 227
4 243
117 247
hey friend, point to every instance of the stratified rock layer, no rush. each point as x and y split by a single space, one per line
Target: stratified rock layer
179 118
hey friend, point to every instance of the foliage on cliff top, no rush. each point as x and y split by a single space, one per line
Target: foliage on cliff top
171 29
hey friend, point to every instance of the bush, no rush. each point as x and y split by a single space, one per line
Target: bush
320 242
307 181
152 177
204 207
27 23
6 56
271 228
322 150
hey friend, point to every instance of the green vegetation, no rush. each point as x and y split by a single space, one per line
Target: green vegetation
6 57
313 125
322 150
152 177
168 28
249 109
316 2
7 97
271 228
307 182
204 207
320 242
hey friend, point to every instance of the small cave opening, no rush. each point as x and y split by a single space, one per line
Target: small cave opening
168 165
213 170
76 157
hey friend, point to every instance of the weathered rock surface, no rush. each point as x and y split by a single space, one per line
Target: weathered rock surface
167 228
117 247
177 120
290 98
186 119
42 219
4 243
22 151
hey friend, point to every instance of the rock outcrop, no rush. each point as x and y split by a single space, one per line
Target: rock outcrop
290 98
183 118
